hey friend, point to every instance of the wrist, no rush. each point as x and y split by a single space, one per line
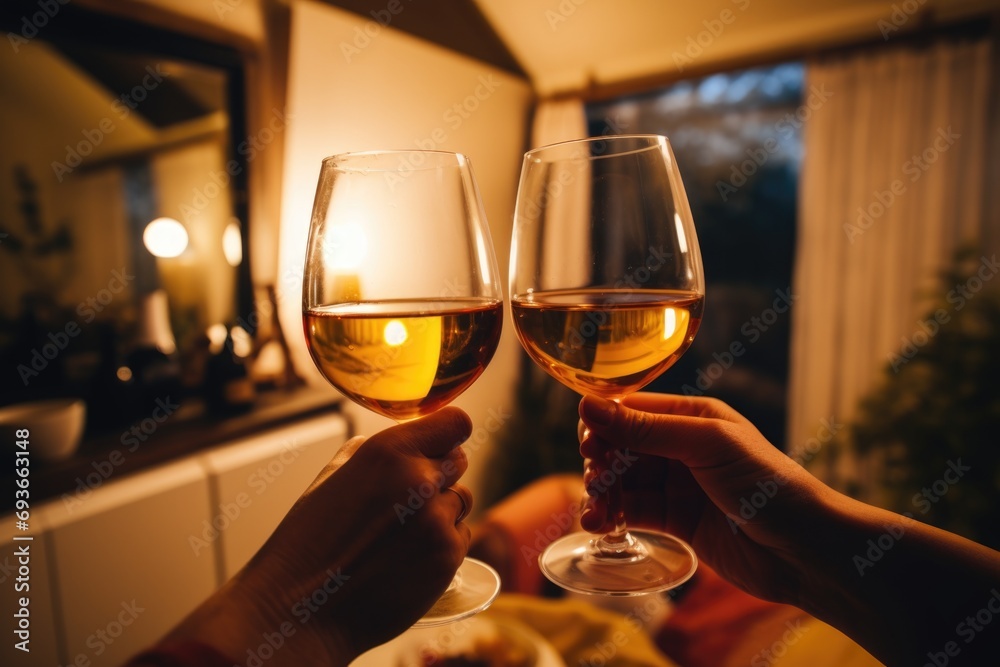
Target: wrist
246 626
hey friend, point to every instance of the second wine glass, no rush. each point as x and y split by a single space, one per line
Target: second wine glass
401 301
606 290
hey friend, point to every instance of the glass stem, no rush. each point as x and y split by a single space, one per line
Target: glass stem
618 537
618 542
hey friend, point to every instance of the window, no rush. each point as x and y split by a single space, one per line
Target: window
738 145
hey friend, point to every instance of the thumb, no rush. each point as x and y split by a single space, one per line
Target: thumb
692 440
433 436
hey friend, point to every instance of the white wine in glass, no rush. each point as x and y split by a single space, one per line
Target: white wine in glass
401 303
607 290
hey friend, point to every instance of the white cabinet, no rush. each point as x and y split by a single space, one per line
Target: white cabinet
255 483
121 566
114 572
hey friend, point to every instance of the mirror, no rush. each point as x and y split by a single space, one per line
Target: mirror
107 126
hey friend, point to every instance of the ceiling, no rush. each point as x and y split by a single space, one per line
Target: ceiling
569 45
602 46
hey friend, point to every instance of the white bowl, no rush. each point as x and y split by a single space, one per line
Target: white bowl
55 427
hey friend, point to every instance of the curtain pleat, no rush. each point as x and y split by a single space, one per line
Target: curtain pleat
892 183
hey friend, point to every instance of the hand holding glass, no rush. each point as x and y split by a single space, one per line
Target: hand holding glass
606 289
401 299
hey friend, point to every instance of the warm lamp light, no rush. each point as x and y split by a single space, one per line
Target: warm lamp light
242 342
165 237
232 243
395 333
216 337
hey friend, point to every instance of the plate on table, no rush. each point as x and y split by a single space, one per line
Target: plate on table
479 641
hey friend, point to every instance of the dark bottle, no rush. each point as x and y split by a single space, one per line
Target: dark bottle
151 368
229 389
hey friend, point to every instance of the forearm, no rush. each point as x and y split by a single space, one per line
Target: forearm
241 627
902 589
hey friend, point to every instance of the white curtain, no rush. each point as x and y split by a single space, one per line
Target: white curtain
893 180
556 120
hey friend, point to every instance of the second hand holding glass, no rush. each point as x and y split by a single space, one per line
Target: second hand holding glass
401 300
606 289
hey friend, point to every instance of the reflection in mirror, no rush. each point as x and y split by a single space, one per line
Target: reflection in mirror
122 211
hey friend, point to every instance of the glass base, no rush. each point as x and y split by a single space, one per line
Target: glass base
650 563
474 588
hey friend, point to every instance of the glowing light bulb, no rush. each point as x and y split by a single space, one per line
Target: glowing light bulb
165 237
232 243
242 342
395 333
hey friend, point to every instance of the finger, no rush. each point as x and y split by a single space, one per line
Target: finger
434 435
594 447
695 441
459 497
466 534
591 475
453 465
594 518
690 406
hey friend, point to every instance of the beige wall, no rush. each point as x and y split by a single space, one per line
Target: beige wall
392 93
395 91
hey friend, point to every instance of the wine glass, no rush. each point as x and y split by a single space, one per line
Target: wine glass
606 290
402 305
